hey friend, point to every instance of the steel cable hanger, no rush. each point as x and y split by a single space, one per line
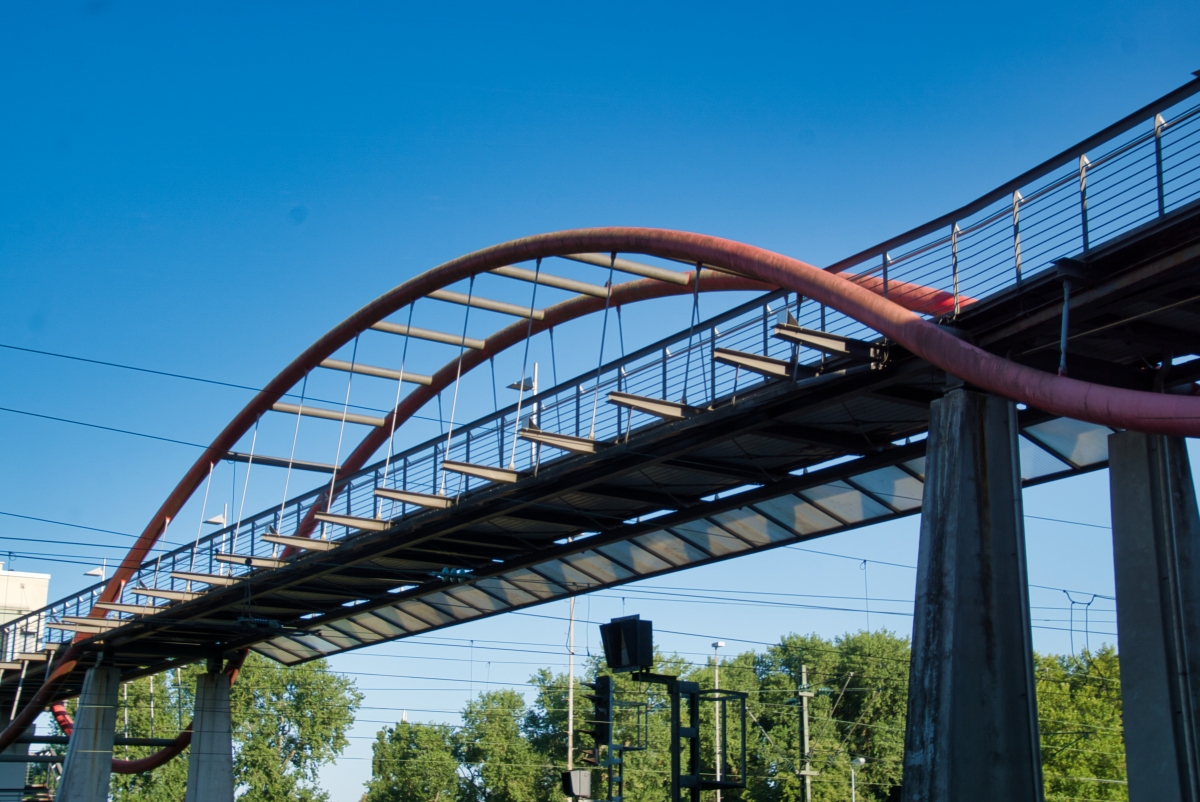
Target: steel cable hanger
554 374
621 373
512 461
496 410
341 433
687 365
603 337
462 349
291 458
245 489
200 526
399 386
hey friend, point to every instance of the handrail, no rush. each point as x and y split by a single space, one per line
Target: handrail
1007 188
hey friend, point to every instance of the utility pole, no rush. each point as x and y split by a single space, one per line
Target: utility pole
571 686
806 750
717 711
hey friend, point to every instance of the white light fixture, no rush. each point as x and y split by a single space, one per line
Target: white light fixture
856 763
216 520
101 571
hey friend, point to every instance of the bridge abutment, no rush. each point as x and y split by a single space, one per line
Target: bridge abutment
210 762
88 764
972 728
1156 556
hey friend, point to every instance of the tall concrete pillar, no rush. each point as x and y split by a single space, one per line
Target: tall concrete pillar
12 775
210 762
88 764
972 728
1156 556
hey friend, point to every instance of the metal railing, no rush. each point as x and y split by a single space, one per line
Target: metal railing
1067 206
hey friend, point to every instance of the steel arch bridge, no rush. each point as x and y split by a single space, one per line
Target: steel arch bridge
796 414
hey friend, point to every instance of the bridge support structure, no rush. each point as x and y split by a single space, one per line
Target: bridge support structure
12 775
88 764
210 762
1156 556
972 729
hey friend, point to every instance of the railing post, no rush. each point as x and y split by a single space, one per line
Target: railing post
404 483
1083 209
620 389
954 264
1017 234
504 425
886 261
1159 125
467 479
377 501
712 365
436 465
665 355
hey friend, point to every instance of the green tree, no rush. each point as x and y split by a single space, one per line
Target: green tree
500 763
514 753
862 681
287 723
413 763
158 706
1079 708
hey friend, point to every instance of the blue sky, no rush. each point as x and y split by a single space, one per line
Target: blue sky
207 188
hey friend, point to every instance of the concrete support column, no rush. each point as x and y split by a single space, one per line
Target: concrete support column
88 764
972 728
12 775
210 763
1156 554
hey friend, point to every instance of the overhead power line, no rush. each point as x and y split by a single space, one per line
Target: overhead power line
185 377
98 426
64 523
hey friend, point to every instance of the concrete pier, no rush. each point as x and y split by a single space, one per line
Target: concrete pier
88 764
972 713
210 762
1156 555
12 775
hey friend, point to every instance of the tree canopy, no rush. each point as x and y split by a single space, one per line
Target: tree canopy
512 749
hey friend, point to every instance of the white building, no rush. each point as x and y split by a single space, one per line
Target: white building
21 593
